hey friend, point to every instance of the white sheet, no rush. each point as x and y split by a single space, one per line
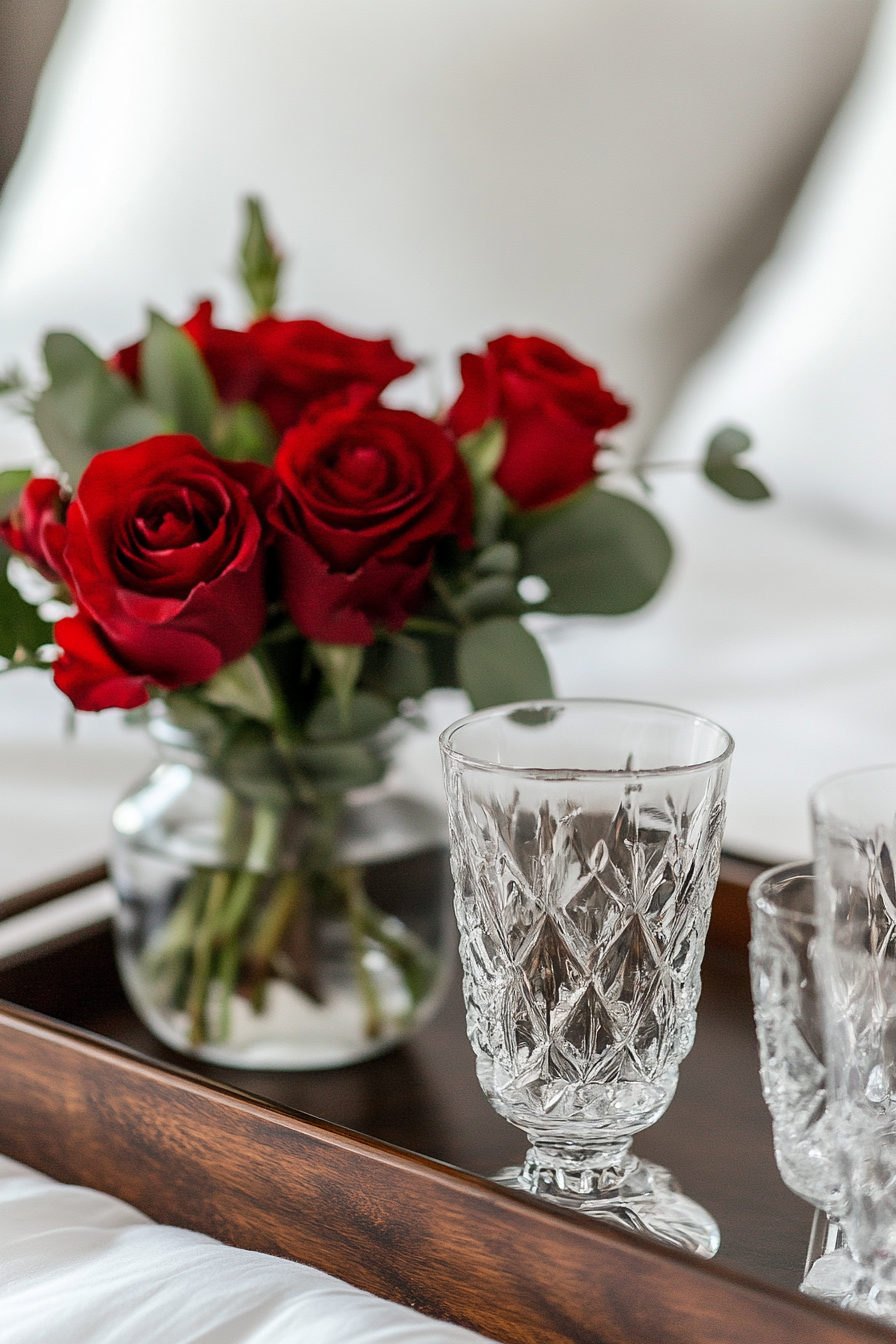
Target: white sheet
78 1267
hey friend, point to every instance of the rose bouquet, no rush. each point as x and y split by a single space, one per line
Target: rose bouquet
249 542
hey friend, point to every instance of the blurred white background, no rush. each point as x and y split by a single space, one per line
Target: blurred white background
611 171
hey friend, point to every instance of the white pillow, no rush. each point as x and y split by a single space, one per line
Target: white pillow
607 170
809 366
781 621
78 1267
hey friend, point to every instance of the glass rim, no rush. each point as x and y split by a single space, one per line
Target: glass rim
758 899
572 772
821 813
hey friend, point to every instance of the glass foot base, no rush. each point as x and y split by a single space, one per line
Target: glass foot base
638 1196
837 1279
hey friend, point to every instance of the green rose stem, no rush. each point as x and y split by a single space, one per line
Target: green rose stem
267 824
203 948
289 901
217 927
174 956
352 884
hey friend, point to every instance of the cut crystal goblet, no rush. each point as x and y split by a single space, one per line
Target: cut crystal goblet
585 839
855 854
783 969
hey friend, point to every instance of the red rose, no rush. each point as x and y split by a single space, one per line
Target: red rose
367 493
283 366
552 406
88 674
303 361
164 553
35 529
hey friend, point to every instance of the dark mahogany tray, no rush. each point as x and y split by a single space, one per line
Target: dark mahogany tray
374 1172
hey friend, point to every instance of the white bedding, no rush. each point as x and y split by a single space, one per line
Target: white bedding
78 1267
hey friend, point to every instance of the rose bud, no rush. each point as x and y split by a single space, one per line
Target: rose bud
367 492
165 554
87 673
35 529
553 406
283 366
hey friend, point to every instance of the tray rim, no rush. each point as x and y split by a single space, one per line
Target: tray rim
712 1302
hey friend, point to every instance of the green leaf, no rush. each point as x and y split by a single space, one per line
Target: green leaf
495 594
176 380
261 261
21 628
338 767
11 381
492 507
601 554
243 433
341 666
187 711
502 558
499 662
87 407
397 666
12 483
242 686
83 396
367 715
721 468
252 767
132 424
482 450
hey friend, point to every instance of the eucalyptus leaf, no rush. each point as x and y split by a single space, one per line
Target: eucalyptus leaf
491 511
493 595
21 628
244 433
399 668
601 554
242 686
176 381
12 483
337 767
482 450
341 666
132 424
368 713
498 661
83 399
187 711
721 467
252 767
501 558
261 262
11 381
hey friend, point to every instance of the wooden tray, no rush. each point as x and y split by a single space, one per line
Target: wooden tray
94 1099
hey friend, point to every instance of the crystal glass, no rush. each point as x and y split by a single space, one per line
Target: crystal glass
265 936
585 843
855 841
791 1052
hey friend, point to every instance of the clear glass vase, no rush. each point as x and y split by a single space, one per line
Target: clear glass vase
268 938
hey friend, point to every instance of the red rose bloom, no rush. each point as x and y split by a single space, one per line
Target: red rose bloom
88 674
164 553
552 405
35 529
282 366
367 493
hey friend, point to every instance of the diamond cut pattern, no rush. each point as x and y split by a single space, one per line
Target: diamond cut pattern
582 931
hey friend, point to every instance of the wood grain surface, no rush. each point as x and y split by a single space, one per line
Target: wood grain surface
249 1170
189 1151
